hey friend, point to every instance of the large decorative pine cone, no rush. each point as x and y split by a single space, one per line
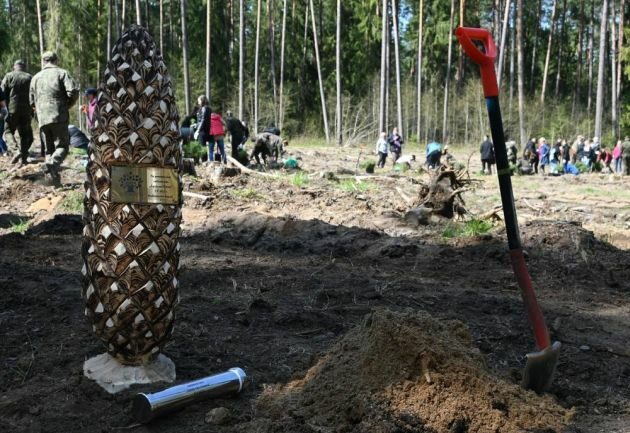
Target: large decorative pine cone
131 251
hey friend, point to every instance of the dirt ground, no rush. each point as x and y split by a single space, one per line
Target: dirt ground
347 317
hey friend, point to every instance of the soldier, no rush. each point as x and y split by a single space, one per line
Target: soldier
625 153
53 92
15 86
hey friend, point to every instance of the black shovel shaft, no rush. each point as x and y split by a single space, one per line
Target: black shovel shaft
504 172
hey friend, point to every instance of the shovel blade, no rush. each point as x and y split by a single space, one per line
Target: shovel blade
540 368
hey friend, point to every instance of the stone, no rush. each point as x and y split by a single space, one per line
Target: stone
218 416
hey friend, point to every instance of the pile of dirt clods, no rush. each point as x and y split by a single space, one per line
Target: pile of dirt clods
405 372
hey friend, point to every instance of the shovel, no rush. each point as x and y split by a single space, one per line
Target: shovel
541 364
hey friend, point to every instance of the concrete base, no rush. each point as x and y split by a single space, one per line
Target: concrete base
113 376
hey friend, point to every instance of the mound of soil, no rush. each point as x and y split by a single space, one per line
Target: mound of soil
408 372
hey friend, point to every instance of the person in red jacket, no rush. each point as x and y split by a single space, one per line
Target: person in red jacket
606 157
217 135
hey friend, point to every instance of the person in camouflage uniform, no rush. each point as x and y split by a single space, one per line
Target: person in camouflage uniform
53 92
625 154
15 86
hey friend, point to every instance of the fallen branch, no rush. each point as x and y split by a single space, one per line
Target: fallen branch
195 195
491 214
249 170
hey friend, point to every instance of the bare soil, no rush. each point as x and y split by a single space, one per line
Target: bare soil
348 317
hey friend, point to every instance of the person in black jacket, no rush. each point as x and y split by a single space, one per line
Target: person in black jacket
203 124
238 131
487 155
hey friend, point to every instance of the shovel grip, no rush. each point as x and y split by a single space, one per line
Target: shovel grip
536 319
466 36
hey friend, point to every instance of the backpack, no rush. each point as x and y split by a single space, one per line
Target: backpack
216 125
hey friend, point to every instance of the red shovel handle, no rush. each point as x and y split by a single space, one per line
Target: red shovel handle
466 36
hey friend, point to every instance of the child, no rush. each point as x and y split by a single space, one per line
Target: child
381 148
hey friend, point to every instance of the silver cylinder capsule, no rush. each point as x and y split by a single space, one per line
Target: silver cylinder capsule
146 407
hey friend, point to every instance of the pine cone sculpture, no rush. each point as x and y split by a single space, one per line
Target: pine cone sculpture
131 248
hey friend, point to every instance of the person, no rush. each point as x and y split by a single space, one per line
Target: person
554 156
565 154
88 109
238 132
625 154
487 155
78 139
382 149
217 135
52 93
15 85
395 141
272 129
4 113
605 157
448 157
543 153
203 125
524 167
617 157
406 160
434 153
588 155
267 145
512 151
531 154
574 149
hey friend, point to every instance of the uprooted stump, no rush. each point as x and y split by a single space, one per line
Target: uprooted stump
443 194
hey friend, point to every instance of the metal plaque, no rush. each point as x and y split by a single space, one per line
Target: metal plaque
132 184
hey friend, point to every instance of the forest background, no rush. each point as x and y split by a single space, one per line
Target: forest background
345 70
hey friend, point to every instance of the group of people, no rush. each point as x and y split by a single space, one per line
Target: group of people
562 157
210 128
47 96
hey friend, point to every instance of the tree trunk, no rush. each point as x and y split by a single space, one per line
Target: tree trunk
382 125
138 14
578 75
599 104
256 83
419 83
548 56
519 73
512 45
560 46
109 31
272 51
208 50
590 56
162 27
397 60
99 41
123 14
241 59
282 45
460 57
622 13
339 118
613 70
319 75
40 27
187 104
118 22
448 75
506 19
536 33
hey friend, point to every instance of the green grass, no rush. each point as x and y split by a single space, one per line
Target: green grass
247 193
72 202
3 174
19 226
300 179
470 228
351 185
78 151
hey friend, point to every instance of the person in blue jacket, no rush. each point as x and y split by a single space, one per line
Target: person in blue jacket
434 153
543 151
